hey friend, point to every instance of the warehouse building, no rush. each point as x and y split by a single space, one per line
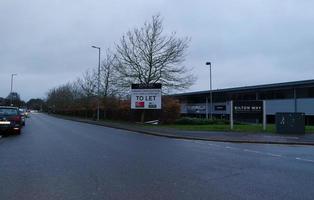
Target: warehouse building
297 96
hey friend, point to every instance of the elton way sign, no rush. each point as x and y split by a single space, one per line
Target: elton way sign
146 96
254 109
248 107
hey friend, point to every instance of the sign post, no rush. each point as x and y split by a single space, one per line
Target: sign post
264 115
255 109
231 115
145 97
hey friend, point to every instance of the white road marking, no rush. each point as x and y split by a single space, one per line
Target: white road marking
272 154
232 148
252 151
208 144
307 160
262 153
215 145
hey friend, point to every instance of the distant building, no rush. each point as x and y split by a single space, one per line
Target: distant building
297 96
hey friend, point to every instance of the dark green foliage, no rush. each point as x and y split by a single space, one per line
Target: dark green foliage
200 121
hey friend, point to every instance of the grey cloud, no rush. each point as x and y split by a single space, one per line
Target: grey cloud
248 41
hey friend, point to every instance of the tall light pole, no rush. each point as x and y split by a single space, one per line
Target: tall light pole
98 84
210 90
11 96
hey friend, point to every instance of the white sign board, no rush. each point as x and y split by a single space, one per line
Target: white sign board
146 96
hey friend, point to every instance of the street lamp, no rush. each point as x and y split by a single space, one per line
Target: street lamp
210 91
11 96
98 84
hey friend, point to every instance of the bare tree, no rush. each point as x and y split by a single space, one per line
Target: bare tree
61 98
145 55
109 80
108 76
88 83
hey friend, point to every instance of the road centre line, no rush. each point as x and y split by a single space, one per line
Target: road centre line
253 151
262 153
303 159
232 148
208 144
246 150
272 154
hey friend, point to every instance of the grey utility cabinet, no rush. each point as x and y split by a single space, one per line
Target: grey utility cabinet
290 123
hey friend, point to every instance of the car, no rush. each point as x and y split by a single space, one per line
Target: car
23 114
27 113
10 120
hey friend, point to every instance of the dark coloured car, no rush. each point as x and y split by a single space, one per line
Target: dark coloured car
23 115
10 120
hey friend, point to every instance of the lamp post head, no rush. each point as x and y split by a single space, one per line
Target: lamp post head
95 47
208 63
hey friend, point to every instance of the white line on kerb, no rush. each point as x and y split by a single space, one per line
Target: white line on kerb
307 160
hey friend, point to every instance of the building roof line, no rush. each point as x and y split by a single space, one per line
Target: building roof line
271 86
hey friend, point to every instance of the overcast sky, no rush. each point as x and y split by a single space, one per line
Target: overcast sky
48 42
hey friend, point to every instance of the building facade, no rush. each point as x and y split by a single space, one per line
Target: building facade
297 96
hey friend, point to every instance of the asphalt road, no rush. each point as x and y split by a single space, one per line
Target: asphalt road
60 159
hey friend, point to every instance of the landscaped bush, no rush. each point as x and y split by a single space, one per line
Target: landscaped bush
199 121
170 110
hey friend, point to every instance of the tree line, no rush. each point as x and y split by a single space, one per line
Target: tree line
13 99
143 55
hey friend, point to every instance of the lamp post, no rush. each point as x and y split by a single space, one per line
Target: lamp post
210 90
98 84
11 96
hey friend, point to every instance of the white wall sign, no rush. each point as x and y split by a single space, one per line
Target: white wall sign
146 96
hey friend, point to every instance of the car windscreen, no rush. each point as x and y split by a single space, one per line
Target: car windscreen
8 111
22 110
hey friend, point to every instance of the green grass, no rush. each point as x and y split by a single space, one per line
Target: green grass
252 128
309 129
248 128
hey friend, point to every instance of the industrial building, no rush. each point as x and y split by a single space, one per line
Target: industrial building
297 96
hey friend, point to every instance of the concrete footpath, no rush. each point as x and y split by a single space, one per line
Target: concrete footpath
237 137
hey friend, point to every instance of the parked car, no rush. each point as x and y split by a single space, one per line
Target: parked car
10 120
23 114
27 113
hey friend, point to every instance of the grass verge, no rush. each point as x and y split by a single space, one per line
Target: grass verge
253 128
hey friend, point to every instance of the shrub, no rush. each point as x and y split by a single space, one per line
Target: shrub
199 121
170 110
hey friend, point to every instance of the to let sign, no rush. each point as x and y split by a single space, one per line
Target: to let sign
146 96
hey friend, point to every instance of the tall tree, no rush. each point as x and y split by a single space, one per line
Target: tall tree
88 83
35 104
108 76
61 98
147 55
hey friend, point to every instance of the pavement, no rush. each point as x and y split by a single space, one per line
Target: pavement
55 158
237 137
